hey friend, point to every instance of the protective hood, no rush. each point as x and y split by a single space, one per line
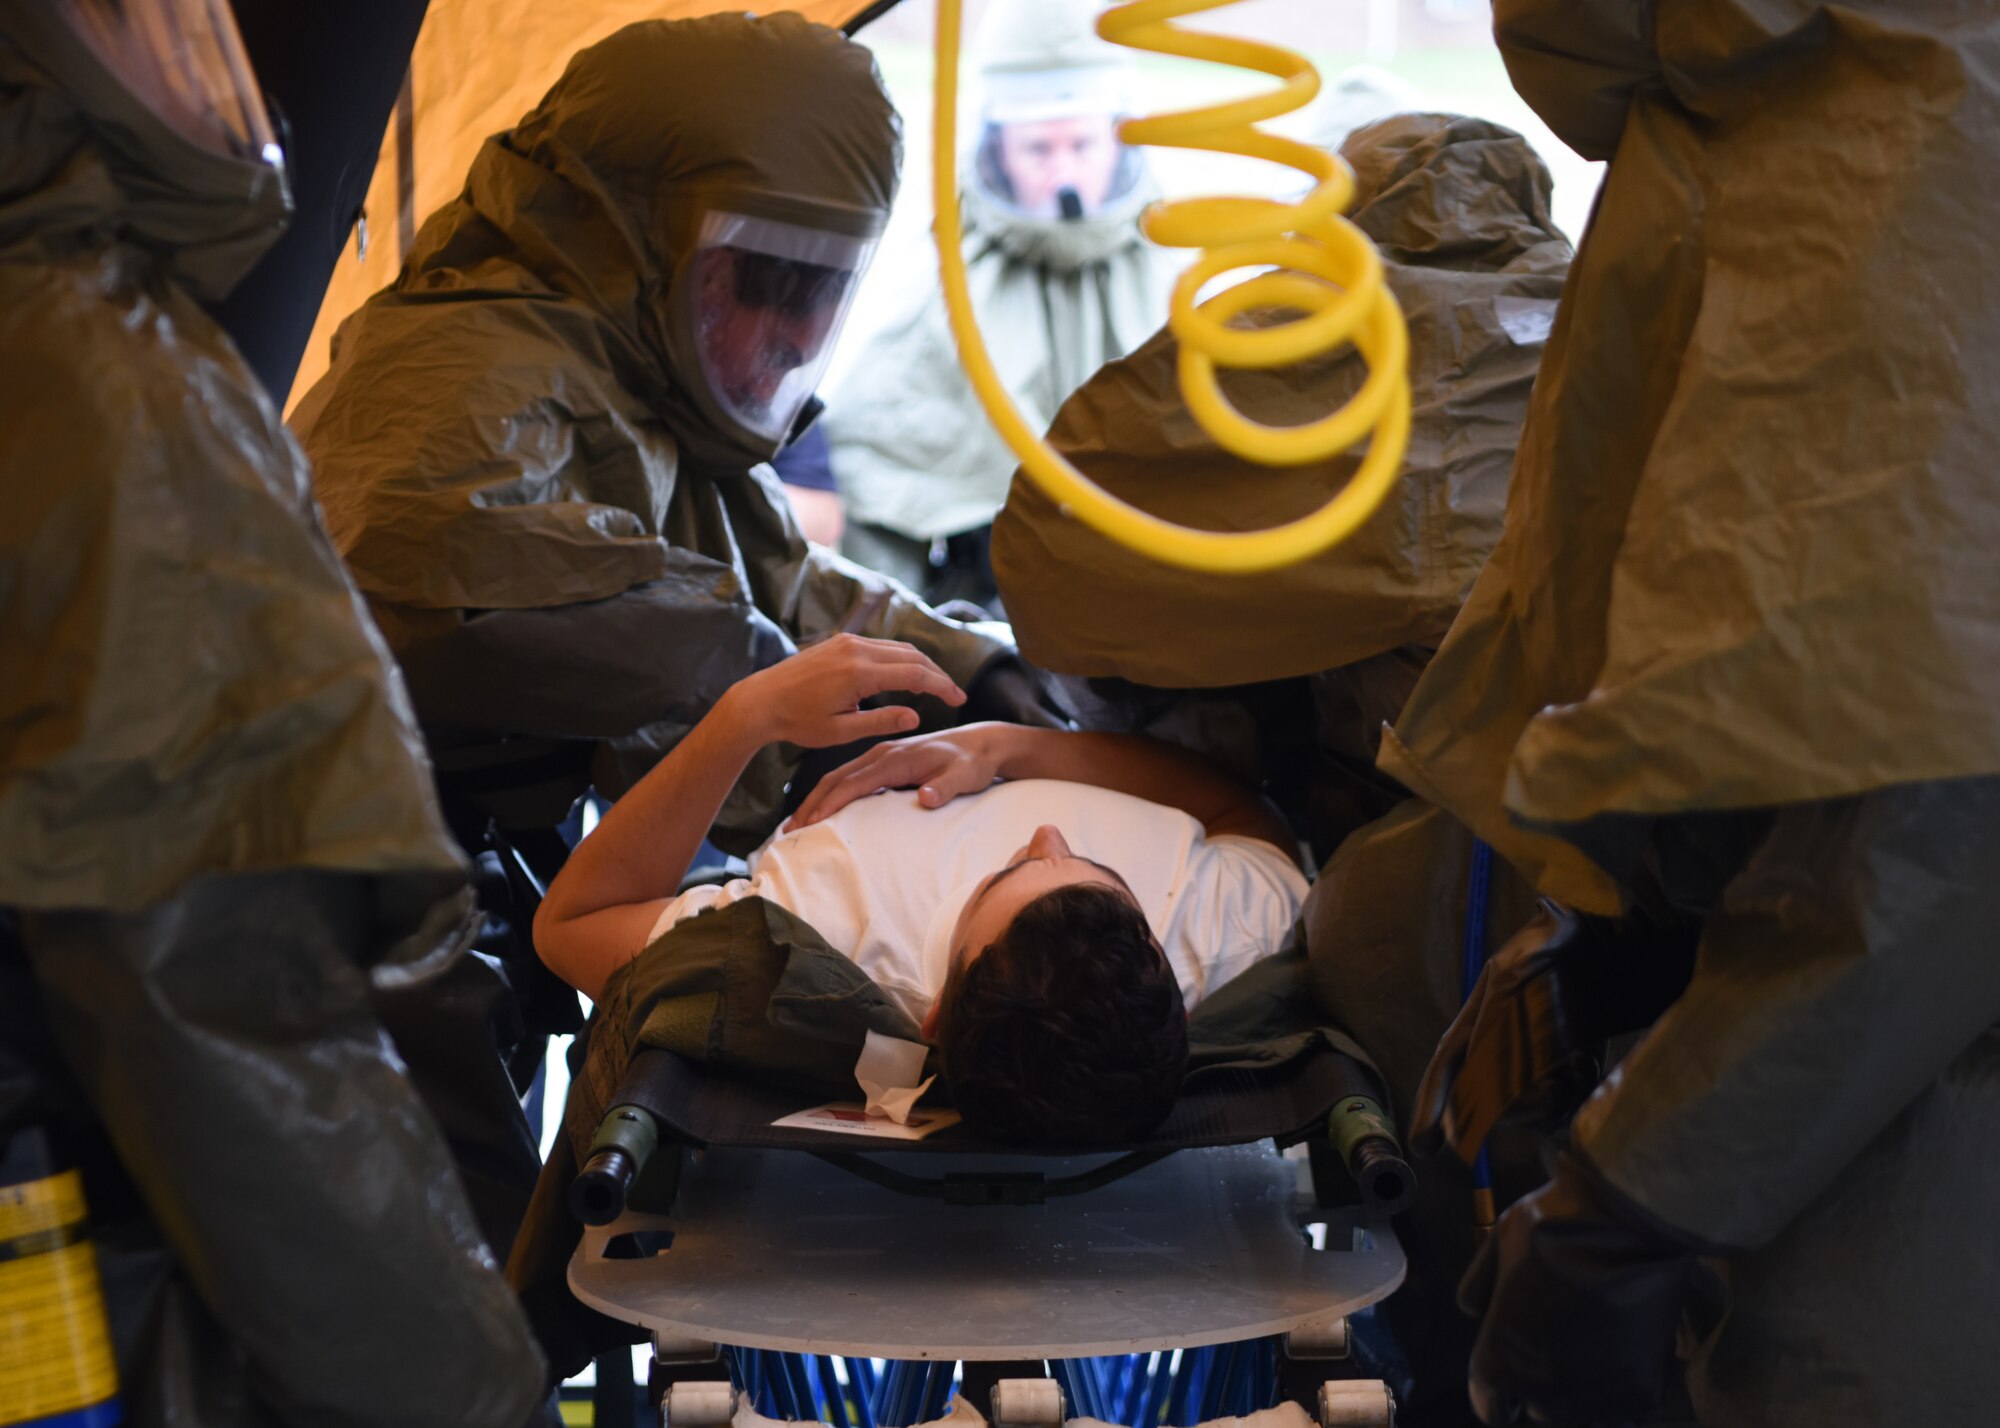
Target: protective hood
188 684
1061 245
1579 66
1749 549
503 428
1040 63
84 160
1459 209
1034 53
601 191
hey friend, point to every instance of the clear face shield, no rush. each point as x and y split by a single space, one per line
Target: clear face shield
185 60
768 300
1049 146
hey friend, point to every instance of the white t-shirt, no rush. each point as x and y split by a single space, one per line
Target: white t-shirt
883 879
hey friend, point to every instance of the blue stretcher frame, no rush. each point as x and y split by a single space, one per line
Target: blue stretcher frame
1167 1389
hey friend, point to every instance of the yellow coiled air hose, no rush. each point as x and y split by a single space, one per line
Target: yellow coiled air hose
1325 269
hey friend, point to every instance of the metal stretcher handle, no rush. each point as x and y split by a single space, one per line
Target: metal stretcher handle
1366 1139
625 1141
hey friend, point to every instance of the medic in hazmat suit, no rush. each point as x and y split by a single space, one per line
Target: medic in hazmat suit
1736 659
1061 282
217 833
541 449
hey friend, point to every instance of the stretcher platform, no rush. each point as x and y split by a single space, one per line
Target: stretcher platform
772 1249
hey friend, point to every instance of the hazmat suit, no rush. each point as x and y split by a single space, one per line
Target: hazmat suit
1057 293
1459 209
540 450
1735 656
1291 675
216 827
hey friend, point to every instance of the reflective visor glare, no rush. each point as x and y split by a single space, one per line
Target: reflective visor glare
770 298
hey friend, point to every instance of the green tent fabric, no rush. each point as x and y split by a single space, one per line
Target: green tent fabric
216 827
1747 560
912 448
1460 210
522 483
1739 650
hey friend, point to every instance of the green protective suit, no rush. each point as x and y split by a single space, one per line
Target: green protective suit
1751 499
556 535
216 826
1747 566
1460 210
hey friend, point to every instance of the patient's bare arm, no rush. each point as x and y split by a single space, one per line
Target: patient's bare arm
604 903
967 760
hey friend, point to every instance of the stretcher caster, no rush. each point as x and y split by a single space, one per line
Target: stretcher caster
1028 1403
674 1350
1356 1403
698 1405
1324 1340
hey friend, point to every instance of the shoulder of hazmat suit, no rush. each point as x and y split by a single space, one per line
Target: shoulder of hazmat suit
1744 596
521 424
1459 208
1056 298
215 819
1748 560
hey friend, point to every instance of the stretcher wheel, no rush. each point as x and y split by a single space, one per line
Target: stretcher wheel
1027 1403
698 1405
1356 1403
1324 1339
677 1349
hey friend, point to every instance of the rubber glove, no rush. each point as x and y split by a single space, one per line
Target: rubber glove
1582 1295
1011 691
1528 1045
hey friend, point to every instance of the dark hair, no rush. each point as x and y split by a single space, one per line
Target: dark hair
1069 1028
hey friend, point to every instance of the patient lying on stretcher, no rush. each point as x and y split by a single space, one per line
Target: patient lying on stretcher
1046 905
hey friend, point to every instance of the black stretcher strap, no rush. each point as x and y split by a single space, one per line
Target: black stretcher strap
701 1107
992 1187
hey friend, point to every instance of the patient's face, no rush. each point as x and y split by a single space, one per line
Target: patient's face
1043 865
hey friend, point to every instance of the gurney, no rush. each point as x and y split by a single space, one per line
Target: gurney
1194 1274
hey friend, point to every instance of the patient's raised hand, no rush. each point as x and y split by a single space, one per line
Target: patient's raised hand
940 767
813 699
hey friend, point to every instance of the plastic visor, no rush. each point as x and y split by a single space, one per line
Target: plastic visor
1056 167
1047 147
769 300
185 60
